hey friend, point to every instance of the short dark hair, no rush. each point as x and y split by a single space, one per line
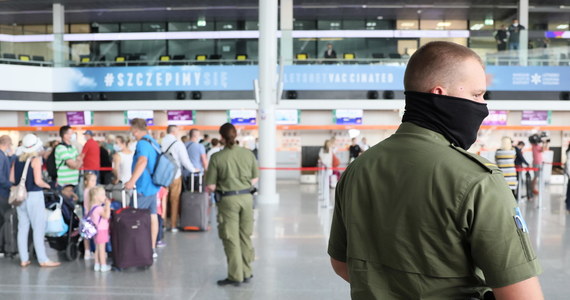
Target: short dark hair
436 63
170 128
191 133
215 142
521 143
63 130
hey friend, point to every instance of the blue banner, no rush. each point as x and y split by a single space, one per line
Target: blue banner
296 77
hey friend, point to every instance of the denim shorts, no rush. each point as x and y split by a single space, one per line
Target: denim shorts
146 202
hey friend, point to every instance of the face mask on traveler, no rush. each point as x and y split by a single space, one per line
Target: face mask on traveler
117 148
74 137
455 118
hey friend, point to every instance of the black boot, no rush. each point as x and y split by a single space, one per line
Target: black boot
228 282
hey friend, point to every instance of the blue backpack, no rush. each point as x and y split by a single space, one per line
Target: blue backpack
165 167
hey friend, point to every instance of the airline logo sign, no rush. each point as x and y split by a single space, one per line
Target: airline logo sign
528 78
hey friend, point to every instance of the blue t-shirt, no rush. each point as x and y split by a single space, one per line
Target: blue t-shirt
195 151
144 184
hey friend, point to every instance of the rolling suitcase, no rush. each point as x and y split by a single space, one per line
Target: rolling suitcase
194 207
9 233
131 237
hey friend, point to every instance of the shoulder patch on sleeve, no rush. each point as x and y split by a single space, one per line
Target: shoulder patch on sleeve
484 163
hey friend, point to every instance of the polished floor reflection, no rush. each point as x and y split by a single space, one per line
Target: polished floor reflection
291 261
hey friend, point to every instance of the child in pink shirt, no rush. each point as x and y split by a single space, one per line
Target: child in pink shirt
101 206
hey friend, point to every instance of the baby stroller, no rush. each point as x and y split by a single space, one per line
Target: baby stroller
71 240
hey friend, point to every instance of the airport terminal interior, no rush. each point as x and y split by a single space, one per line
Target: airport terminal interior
293 77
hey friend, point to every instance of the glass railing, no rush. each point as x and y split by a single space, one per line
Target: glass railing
559 56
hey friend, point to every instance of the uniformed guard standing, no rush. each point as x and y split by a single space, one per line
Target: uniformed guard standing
231 174
419 217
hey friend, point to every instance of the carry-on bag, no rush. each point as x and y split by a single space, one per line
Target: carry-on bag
131 236
194 206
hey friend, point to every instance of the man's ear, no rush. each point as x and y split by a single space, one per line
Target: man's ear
438 90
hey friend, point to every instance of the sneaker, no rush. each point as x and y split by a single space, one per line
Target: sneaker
161 244
174 230
105 268
154 254
97 268
88 256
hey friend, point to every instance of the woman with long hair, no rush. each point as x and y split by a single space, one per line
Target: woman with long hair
231 174
32 211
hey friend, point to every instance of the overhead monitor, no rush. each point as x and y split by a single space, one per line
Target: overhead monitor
287 116
181 117
496 118
348 116
242 116
147 115
40 118
536 117
79 118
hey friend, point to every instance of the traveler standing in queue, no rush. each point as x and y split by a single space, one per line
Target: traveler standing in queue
91 154
197 155
5 184
232 173
354 150
419 217
172 145
538 147
505 159
32 211
122 161
144 160
519 158
67 159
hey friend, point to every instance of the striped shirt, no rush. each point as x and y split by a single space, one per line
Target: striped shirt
506 162
66 175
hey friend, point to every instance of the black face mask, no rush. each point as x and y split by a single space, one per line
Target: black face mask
457 119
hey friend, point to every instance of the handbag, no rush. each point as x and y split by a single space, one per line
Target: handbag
19 193
55 224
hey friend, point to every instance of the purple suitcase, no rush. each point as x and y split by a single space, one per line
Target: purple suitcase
131 237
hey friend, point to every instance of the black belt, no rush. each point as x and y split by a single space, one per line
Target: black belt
234 193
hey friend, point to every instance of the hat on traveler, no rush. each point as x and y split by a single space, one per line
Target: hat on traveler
31 143
88 132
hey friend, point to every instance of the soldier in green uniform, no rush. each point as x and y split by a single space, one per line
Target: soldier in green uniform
231 174
419 217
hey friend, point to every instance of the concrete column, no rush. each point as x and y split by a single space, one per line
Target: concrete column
523 42
58 46
267 100
286 42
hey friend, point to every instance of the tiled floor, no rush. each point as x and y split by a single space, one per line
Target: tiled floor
291 261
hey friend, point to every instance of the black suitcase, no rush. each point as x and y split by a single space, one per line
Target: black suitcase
9 233
131 236
194 206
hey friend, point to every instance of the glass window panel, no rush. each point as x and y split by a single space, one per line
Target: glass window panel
131 27
304 25
191 48
407 24
308 46
108 27
80 28
353 24
146 50
226 25
251 25
329 24
35 29
154 27
180 26
558 26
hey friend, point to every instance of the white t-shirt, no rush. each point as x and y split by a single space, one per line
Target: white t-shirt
212 151
125 166
326 158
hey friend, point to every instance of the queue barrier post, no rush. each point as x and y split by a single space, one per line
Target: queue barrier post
540 185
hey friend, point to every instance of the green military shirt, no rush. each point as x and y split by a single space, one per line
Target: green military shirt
232 169
418 218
